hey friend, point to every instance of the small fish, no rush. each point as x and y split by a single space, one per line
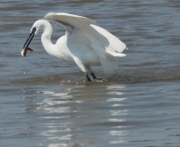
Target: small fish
24 51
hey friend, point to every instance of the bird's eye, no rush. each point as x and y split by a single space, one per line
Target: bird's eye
34 29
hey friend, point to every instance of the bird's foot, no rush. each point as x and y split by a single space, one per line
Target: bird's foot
97 79
94 78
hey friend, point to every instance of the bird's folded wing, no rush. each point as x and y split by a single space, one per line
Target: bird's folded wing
98 42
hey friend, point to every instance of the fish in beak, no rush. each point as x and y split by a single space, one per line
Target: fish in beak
24 51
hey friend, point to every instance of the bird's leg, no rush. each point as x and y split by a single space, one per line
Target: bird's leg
87 76
93 75
97 79
82 67
89 70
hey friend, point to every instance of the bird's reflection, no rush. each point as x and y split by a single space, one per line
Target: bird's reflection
81 114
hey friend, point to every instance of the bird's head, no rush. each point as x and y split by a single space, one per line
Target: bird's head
34 31
37 26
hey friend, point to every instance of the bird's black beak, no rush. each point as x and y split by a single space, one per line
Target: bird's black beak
31 35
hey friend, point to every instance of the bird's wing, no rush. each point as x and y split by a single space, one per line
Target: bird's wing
116 46
98 42
75 20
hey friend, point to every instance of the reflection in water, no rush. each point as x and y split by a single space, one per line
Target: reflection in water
117 98
74 116
94 115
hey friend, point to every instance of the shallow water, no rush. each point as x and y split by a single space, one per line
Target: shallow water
47 102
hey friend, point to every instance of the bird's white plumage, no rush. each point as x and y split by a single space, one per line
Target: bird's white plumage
84 43
115 45
83 24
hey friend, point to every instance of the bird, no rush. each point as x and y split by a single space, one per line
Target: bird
84 43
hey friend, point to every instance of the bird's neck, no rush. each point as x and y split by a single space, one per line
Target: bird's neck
46 37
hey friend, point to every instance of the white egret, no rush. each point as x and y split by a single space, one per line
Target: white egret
84 43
